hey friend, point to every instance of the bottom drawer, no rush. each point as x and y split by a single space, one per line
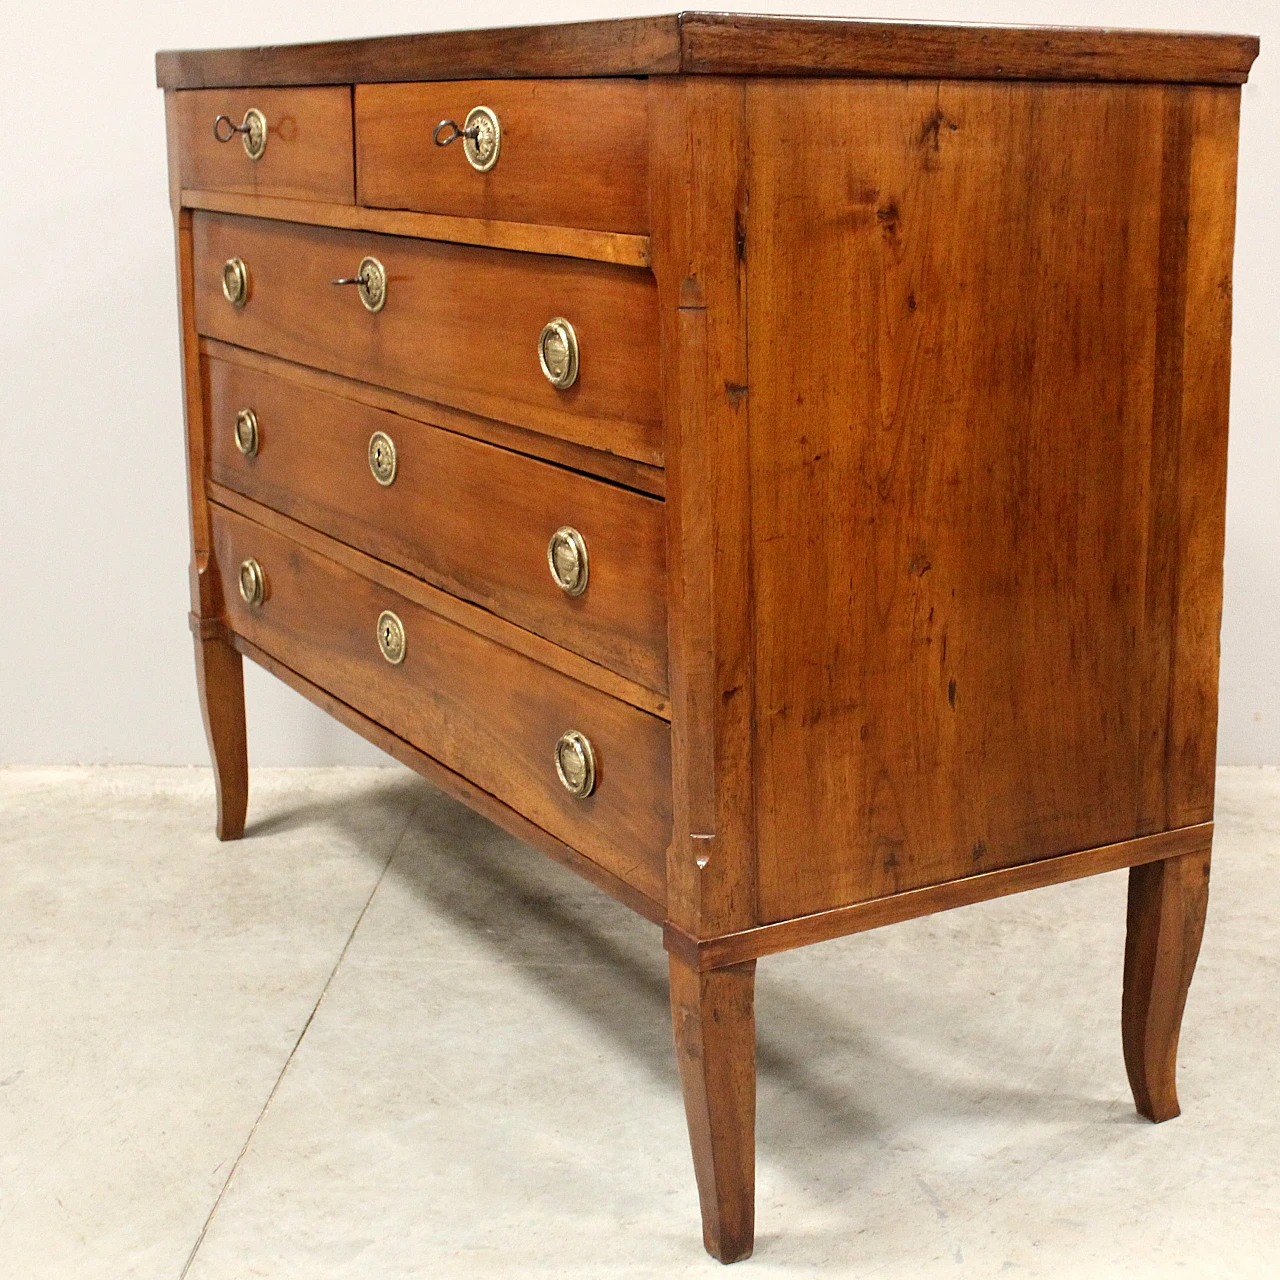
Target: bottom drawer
484 711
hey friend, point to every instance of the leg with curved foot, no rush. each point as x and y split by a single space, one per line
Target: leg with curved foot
1167 903
714 1018
220 678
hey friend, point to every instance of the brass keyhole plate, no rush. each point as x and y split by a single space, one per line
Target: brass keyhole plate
391 637
372 286
255 133
482 150
382 458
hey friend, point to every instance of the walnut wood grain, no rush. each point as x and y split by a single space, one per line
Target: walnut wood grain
973 495
1167 905
698 158
567 242
220 683
447 606
607 466
734 44
713 1015
455 784
574 152
309 143
729 44
460 324
770 939
467 517
483 711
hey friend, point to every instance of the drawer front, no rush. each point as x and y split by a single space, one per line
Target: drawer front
308 150
573 153
487 713
460 325
466 516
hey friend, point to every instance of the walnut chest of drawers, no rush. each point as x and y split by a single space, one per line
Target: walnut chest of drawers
774 466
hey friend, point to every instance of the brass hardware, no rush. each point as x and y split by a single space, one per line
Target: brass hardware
558 353
254 130
576 764
391 639
370 280
481 136
567 556
382 457
253 583
247 432
235 281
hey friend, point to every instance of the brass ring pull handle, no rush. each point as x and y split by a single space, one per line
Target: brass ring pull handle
370 280
567 556
246 433
481 136
253 583
235 282
254 130
558 353
576 764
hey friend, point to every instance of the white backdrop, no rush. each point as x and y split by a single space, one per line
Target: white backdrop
95 657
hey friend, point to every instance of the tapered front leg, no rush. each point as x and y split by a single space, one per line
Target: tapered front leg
715 1028
220 678
1167 904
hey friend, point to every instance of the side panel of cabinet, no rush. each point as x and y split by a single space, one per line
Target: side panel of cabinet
988 365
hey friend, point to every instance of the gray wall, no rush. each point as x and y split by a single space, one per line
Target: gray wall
95 658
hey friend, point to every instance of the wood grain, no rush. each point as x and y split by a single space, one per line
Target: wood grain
715 1031
447 606
729 44
309 143
460 324
456 785
698 158
1167 905
607 466
770 939
469 518
969 494
485 712
567 242
738 44
624 47
574 152
220 683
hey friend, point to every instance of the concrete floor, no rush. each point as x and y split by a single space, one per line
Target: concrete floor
378 1038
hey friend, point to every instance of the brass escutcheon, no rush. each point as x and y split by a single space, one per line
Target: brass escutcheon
481 139
247 432
391 638
567 556
253 583
254 133
382 457
235 281
370 281
576 764
558 353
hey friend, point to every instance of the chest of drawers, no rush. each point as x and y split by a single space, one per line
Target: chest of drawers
776 467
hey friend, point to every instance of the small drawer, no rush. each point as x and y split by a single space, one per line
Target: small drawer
476 520
489 714
305 152
571 153
452 323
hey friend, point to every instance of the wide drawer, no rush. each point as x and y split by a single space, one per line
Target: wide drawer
469 517
487 713
307 153
569 152
459 325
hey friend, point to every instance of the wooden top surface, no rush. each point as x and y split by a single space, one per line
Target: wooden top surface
729 44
